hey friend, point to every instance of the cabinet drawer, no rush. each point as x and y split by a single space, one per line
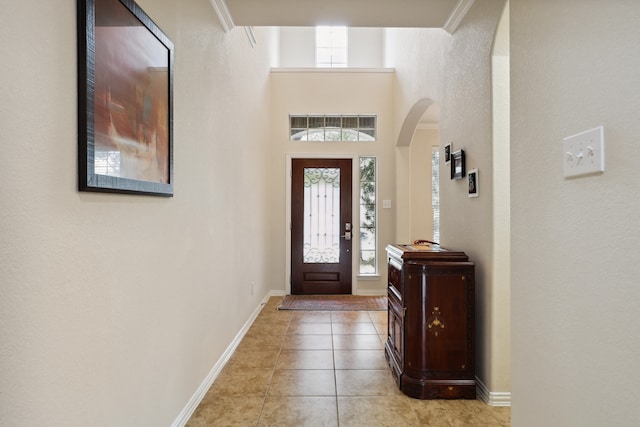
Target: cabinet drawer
395 276
453 392
438 389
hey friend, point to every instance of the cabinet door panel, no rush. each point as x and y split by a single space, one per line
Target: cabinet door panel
439 332
446 329
395 329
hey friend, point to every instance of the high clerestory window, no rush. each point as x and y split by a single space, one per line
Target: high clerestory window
304 127
331 47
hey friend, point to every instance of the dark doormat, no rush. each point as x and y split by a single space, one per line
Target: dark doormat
334 302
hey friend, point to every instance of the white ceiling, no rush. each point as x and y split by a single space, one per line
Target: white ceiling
353 13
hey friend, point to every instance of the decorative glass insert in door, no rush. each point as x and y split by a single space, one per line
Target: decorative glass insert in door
321 243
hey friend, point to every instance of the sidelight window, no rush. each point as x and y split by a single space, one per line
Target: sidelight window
368 218
435 193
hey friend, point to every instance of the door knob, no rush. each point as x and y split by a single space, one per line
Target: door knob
347 235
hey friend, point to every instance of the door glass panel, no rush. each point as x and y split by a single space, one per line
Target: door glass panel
321 244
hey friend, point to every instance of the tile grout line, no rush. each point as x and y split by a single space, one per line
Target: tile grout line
342 324
335 379
266 392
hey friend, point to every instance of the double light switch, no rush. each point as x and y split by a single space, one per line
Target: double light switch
584 153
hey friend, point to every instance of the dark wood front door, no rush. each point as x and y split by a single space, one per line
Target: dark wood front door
321 226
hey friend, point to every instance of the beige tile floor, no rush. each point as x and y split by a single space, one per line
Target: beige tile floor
321 368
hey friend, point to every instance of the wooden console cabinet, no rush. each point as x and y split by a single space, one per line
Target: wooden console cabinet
431 340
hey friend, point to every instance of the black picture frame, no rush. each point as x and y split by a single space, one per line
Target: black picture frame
474 183
457 165
447 153
125 100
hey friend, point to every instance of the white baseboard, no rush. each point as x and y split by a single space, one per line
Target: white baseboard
197 397
372 292
492 398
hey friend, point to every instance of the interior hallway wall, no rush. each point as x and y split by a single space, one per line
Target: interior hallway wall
454 70
575 269
332 92
114 308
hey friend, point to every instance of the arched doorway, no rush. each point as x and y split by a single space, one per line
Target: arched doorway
417 173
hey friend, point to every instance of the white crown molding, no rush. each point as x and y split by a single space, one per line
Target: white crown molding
459 11
492 398
251 36
226 21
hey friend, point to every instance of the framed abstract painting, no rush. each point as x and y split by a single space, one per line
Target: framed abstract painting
125 100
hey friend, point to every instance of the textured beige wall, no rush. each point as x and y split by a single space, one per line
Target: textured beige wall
114 308
455 72
575 269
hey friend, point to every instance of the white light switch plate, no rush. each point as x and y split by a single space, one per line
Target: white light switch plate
386 204
583 153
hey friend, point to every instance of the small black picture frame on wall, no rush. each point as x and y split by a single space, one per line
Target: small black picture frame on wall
472 178
457 165
447 153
